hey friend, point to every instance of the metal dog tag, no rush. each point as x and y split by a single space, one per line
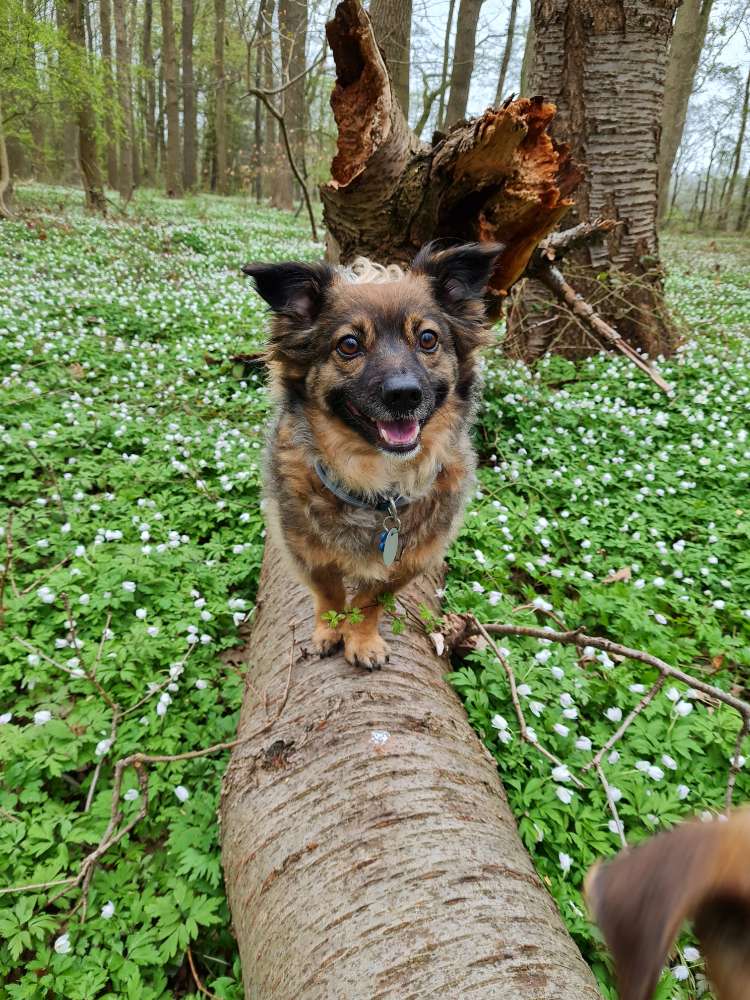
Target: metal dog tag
390 546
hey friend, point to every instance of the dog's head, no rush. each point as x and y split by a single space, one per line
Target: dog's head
380 356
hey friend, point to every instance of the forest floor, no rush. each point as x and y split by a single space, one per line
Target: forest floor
132 540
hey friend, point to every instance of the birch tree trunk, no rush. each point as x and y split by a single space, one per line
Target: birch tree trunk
172 172
189 110
391 22
125 98
463 60
691 25
368 848
603 64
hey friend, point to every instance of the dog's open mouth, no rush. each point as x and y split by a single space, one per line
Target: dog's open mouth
396 435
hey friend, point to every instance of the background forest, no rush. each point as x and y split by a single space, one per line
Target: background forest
196 95
150 148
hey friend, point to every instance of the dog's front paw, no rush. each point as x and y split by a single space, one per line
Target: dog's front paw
326 640
367 651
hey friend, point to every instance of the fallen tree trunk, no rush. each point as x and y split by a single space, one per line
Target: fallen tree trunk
367 844
498 177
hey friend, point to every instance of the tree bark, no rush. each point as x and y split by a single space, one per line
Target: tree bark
172 172
742 218
5 175
105 21
391 22
293 40
726 201
367 844
500 177
507 51
691 24
189 110
125 98
603 64
69 171
527 64
87 152
220 110
149 70
463 60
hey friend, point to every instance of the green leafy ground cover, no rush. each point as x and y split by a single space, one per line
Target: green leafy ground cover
129 477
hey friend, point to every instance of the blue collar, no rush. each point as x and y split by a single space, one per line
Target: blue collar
383 501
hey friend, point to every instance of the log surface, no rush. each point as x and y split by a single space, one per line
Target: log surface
368 848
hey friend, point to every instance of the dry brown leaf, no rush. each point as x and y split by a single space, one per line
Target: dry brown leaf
619 576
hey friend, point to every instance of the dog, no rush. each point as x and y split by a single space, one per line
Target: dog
374 372
697 871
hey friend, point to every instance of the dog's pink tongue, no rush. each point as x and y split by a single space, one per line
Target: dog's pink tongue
399 432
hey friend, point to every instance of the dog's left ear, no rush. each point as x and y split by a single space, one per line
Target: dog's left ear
292 289
459 274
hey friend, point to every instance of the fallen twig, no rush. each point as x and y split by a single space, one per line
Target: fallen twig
575 637
197 979
517 704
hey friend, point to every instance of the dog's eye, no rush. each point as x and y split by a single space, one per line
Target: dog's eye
428 340
348 347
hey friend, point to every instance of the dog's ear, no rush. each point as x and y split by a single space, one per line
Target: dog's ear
294 290
697 871
459 274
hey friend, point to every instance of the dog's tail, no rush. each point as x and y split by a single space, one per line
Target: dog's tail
697 871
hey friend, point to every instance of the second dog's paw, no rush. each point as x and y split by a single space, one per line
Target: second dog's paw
326 640
367 651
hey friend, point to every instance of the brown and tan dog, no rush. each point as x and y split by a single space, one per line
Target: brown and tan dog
697 871
369 463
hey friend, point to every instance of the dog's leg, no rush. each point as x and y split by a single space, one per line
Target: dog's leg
363 646
329 595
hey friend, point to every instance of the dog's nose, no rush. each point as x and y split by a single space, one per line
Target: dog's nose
401 392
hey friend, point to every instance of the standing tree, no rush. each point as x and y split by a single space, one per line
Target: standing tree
87 152
604 67
507 51
463 59
172 172
391 22
293 40
105 21
444 70
220 97
728 193
149 90
691 24
189 108
125 99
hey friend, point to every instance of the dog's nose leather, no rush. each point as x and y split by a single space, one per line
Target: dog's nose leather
401 392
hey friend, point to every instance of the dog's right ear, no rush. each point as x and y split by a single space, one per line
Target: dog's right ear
697 871
294 290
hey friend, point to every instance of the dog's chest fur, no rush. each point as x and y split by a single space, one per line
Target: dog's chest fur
314 526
